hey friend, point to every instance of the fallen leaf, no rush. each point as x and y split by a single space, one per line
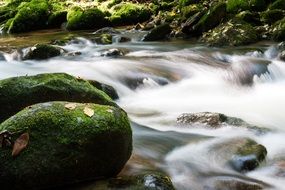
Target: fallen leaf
70 106
88 111
20 144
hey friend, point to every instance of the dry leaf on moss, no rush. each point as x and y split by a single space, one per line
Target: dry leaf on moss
88 111
70 106
20 144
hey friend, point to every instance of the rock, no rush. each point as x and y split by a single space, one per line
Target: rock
214 120
250 17
190 10
114 52
135 81
19 92
282 55
234 6
2 57
30 16
188 26
107 30
129 13
158 33
208 21
242 154
278 31
56 19
66 145
103 39
271 16
42 51
123 39
232 33
79 19
109 90
277 4
73 53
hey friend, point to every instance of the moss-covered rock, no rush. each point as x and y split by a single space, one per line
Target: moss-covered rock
232 33
129 13
42 51
190 10
66 145
278 4
209 20
235 6
103 39
243 154
278 30
56 19
19 92
158 33
79 19
109 90
30 16
271 16
250 17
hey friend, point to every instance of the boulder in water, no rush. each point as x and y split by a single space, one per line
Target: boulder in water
158 33
109 90
114 52
19 92
42 51
69 143
282 56
214 120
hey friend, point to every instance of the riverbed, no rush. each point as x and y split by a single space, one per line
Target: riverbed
158 81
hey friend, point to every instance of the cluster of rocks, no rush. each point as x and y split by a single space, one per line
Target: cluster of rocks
74 132
216 23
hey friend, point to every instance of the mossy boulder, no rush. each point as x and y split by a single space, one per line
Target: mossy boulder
279 4
129 13
66 145
209 20
158 33
235 6
109 90
42 51
250 17
232 33
19 92
271 16
30 16
278 30
80 19
56 19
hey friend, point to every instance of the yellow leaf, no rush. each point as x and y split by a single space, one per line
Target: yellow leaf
20 144
70 106
88 111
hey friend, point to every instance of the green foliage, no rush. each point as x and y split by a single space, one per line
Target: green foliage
79 19
279 30
31 15
129 13
271 16
183 3
235 6
190 10
57 18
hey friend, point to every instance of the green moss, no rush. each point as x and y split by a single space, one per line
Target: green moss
232 33
31 16
235 6
271 16
252 148
19 92
79 19
190 10
250 17
158 33
66 145
211 19
42 51
279 4
129 13
113 2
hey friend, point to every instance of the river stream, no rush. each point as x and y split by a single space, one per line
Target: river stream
158 81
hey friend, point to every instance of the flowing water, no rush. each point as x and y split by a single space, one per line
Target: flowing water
159 81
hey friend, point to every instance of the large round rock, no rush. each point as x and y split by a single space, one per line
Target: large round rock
18 92
69 142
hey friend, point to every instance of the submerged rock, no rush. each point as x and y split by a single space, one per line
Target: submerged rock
158 33
215 120
69 143
114 52
19 92
282 56
232 33
42 51
242 154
